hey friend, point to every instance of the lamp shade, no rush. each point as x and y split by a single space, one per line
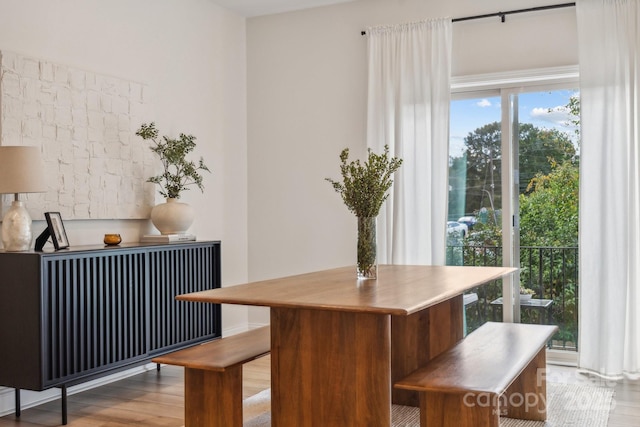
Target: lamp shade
21 170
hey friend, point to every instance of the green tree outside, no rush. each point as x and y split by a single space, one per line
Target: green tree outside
476 179
549 210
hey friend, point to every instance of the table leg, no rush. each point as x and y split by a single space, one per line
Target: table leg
330 368
419 337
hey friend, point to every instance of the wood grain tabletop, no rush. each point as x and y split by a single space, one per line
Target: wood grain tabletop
398 290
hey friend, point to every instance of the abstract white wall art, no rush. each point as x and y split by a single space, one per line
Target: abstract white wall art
85 123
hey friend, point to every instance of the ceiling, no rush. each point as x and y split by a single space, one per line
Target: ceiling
251 8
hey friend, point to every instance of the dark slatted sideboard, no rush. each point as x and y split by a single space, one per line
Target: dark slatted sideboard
73 315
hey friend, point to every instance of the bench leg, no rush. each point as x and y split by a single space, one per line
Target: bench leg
526 397
213 399
459 410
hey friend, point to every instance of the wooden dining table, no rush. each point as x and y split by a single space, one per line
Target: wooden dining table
338 343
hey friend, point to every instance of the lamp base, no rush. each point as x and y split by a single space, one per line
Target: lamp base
16 228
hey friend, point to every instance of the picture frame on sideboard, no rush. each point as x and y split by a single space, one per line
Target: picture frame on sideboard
56 230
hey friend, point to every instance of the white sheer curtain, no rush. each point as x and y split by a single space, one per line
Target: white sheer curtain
609 45
408 109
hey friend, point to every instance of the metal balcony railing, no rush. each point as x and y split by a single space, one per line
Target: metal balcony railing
551 272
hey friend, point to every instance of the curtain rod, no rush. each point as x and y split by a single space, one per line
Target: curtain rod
502 15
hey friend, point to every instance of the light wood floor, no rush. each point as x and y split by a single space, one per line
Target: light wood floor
155 399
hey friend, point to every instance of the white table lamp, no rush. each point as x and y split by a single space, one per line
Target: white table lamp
21 171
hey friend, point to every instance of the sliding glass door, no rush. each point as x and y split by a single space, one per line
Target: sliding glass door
547 156
475 207
513 174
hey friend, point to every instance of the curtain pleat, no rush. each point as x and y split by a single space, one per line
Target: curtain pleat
408 110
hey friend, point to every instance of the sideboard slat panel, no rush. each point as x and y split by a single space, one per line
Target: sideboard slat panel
87 312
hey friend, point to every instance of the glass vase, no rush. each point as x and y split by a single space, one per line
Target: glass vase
367 265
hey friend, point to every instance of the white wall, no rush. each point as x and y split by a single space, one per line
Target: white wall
307 100
193 55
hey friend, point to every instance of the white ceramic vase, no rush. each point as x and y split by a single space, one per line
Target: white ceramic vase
172 217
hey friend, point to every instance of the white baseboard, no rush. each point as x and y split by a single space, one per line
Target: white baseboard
238 329
562 357
29 399
235 330
257 325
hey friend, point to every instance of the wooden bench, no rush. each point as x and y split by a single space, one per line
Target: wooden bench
213 376
496 370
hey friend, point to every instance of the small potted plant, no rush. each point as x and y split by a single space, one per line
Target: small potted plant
178 175
526 293
364 188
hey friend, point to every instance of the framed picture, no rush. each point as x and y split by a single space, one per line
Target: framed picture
56 229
